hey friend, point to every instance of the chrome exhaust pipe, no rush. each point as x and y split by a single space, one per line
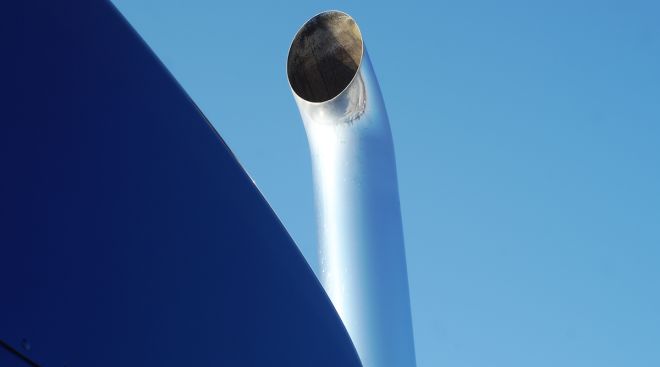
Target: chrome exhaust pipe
361 248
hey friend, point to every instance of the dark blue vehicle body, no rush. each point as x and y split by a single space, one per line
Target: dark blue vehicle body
129 233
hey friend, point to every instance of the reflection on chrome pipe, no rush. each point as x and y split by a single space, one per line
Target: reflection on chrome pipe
361 251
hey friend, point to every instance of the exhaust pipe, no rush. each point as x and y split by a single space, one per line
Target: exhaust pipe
361 249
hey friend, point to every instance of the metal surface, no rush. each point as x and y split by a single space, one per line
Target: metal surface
361 247
129 233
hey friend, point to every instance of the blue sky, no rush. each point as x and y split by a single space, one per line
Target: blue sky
527 136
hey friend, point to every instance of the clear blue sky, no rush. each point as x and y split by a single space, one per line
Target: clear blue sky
527 136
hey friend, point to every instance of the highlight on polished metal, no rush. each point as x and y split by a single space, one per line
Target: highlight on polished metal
361 247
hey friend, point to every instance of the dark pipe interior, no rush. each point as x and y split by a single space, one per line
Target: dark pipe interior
324 56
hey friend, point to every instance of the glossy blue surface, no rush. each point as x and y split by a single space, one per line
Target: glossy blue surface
129 234
10 357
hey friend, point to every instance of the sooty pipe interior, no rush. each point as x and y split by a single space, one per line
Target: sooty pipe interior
324 56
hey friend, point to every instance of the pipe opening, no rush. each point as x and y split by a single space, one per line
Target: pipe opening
324 56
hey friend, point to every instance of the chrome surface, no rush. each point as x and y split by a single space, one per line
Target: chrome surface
361 245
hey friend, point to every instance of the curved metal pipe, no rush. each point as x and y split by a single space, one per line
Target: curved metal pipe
361 247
